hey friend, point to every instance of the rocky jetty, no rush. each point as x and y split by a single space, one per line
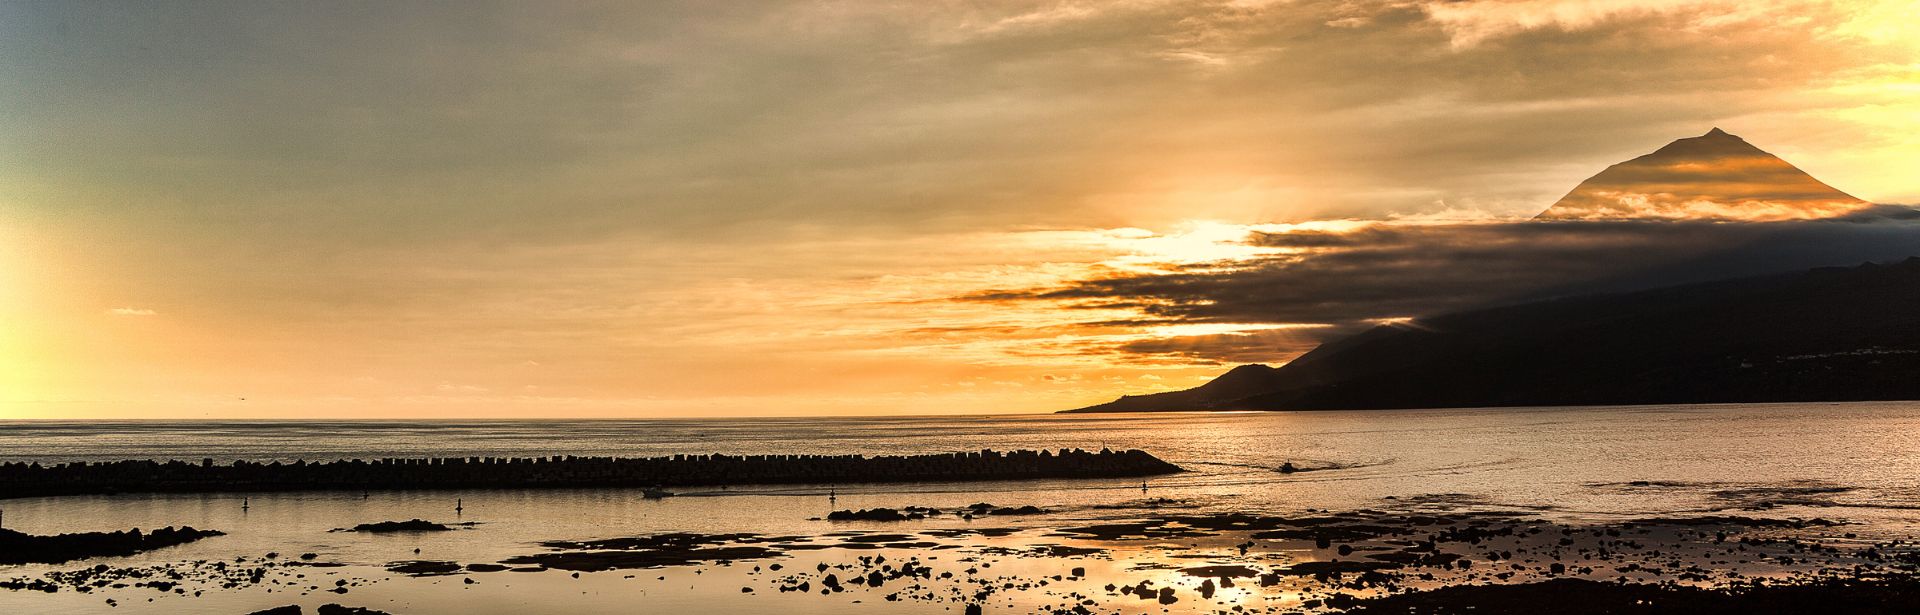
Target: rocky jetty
20 548
31 480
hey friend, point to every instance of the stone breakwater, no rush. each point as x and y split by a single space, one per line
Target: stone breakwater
139 476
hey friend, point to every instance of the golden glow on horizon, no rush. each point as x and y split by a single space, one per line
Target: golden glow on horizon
19 366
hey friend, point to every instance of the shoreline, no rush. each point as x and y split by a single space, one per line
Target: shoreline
1404 495
1154 553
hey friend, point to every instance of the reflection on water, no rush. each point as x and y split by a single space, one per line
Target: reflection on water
1520 457
1855 461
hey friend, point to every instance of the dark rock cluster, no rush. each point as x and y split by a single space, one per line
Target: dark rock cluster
325 609
914 513
389 527
20 548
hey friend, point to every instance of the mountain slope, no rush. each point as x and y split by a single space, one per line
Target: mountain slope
1715 175
1823 335
1239 383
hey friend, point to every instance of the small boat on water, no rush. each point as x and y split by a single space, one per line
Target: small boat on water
1287 468
654 493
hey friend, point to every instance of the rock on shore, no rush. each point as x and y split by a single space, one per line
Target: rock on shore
325 609
21 548
387 527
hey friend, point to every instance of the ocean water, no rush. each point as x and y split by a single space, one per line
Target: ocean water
1856 461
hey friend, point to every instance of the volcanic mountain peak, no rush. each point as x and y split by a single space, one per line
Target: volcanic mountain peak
1716 175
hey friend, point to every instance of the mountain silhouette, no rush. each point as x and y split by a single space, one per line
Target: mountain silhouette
1715 175
1823 335
1239 383
1833 334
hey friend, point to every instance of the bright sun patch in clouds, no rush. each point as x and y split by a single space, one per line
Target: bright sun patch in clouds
1202 242
131 311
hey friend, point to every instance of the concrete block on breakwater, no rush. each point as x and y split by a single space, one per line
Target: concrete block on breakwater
138 476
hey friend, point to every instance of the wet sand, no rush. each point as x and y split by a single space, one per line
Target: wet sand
1581 597
1419 556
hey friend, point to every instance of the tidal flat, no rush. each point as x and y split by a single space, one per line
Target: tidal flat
1395 512
1412 555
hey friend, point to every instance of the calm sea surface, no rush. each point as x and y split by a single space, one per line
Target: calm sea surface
1857 461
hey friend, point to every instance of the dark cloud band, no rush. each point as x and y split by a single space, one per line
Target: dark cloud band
1385 271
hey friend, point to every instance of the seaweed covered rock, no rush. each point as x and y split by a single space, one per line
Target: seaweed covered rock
22 548
874 514
411 525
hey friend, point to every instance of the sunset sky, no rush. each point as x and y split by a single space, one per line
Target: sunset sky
649 209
